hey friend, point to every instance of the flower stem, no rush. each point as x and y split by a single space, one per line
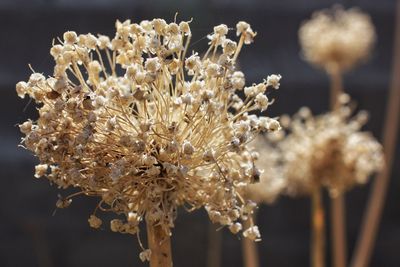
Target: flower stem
160 245
239 47
318 229
214 246
373 212
338 230
336 88
249 247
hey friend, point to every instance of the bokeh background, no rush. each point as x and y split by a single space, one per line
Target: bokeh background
32 235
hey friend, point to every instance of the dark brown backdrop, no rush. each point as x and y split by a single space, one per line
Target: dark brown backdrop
31 236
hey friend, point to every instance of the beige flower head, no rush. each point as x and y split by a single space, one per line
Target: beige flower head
146 127
337 38
328 150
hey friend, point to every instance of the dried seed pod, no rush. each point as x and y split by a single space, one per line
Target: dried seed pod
337 38
146 141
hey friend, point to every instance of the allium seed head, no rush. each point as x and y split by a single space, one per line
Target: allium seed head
139 123
337 38
328 150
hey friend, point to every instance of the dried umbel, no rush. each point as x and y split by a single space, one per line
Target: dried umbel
146 127
327 150
337 38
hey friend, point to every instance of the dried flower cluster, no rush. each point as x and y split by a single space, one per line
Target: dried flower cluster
337 38
328 150
136 121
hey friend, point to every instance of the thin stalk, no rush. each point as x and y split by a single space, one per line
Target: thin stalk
373 213
214 246
160 245
338 230
239 47
318 229
249 247
336 88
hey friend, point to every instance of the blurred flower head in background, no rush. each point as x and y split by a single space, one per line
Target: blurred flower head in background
328 150
336 38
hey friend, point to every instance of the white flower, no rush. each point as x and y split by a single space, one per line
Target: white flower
238 80
145 255
152 64
218 37
273 80
213 69
193 64
21 88
252 233
250 91
262 101
94 67
159 25
243 28
91 41
235 228
185 28
70 37
221 29
40 170
229 47
104 42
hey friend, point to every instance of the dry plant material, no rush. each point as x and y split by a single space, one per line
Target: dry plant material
147 127
337 38
376 202
328 150
271 182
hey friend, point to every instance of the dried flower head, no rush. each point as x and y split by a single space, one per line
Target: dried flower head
136 121
337 38
328 150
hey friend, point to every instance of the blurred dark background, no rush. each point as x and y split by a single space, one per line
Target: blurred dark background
31 236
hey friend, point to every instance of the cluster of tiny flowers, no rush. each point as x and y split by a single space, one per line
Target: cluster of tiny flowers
337 38
271 183
328 150
146 127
